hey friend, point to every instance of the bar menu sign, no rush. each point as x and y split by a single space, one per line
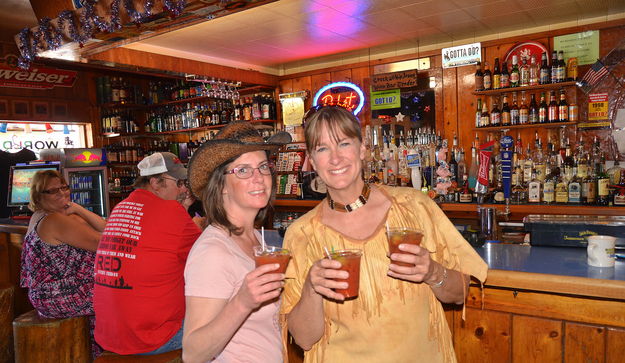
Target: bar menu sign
462 55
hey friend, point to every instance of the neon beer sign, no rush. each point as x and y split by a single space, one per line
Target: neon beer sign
342 94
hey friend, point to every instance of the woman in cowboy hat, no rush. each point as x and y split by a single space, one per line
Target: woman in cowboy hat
232 307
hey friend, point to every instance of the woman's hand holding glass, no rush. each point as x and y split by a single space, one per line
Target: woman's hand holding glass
322 278
420 266
261 285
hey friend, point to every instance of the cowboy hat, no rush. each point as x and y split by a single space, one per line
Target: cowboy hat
235 139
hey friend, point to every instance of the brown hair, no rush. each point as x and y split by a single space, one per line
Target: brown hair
213 201
337 119
142 181
38 185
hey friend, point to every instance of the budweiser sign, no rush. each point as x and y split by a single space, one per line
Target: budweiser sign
35 77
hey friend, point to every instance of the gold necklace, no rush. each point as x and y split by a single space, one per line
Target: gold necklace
360 201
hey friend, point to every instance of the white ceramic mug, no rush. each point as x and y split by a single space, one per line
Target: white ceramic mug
601 251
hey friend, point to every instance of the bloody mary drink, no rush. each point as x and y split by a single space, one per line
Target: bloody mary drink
350 262
272 254
397 236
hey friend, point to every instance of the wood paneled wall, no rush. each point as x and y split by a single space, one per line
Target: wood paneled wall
455 105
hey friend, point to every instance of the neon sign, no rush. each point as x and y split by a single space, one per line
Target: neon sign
342 94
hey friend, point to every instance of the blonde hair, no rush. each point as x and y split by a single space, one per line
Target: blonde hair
38 185
336 119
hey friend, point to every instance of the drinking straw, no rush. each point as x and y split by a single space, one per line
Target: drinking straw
388 230
262 238
327 252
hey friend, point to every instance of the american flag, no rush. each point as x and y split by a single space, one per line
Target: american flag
595 73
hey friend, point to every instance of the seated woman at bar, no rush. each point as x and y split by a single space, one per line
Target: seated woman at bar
59 251
232 306
397 315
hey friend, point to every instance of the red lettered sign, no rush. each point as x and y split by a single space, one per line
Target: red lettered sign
34 78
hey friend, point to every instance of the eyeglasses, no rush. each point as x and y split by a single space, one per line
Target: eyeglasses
179 182
53 191
246 172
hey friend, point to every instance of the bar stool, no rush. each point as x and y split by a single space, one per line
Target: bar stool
6 317
175 356
40 339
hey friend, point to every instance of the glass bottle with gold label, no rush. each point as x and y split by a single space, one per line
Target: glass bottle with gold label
562 190
549 186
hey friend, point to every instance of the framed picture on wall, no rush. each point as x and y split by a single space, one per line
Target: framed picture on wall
59 111
4 108
20 109
41 110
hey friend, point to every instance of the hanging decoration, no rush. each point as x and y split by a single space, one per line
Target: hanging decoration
80 29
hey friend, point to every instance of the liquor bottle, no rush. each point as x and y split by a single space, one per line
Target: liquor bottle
533 190
505 112
123 93
542 109
563 108
562 190
524 73
505 75
496 75
561 67
462 164
514 111
524 112
114 90
575 190
549 186
465 195
554 67
514 73
528 166
552 109
474 168
534 72
498 196
485 117
479 77
495 115
568 163
603 180
453 167
614 173
539 160
545 71
478 113
533 110
488 77
518 193
619 193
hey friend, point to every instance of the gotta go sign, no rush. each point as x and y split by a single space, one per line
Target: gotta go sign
35 77
462 55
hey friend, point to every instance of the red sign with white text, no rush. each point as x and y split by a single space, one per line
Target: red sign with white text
34 78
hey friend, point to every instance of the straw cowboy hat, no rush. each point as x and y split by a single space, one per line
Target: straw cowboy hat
233 140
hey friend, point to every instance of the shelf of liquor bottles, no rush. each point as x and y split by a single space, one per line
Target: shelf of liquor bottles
469 210
547 125
548 86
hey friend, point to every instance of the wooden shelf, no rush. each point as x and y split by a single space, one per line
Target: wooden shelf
211 127
526 126
549 86
536 209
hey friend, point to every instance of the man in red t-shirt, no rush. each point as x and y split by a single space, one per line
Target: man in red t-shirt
139 269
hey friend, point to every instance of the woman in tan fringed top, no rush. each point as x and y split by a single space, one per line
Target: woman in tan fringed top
397 316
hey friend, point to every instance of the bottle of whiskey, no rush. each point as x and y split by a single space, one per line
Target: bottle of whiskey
465 194
603 181
562 190
575 190
533 190
518 192
549 186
